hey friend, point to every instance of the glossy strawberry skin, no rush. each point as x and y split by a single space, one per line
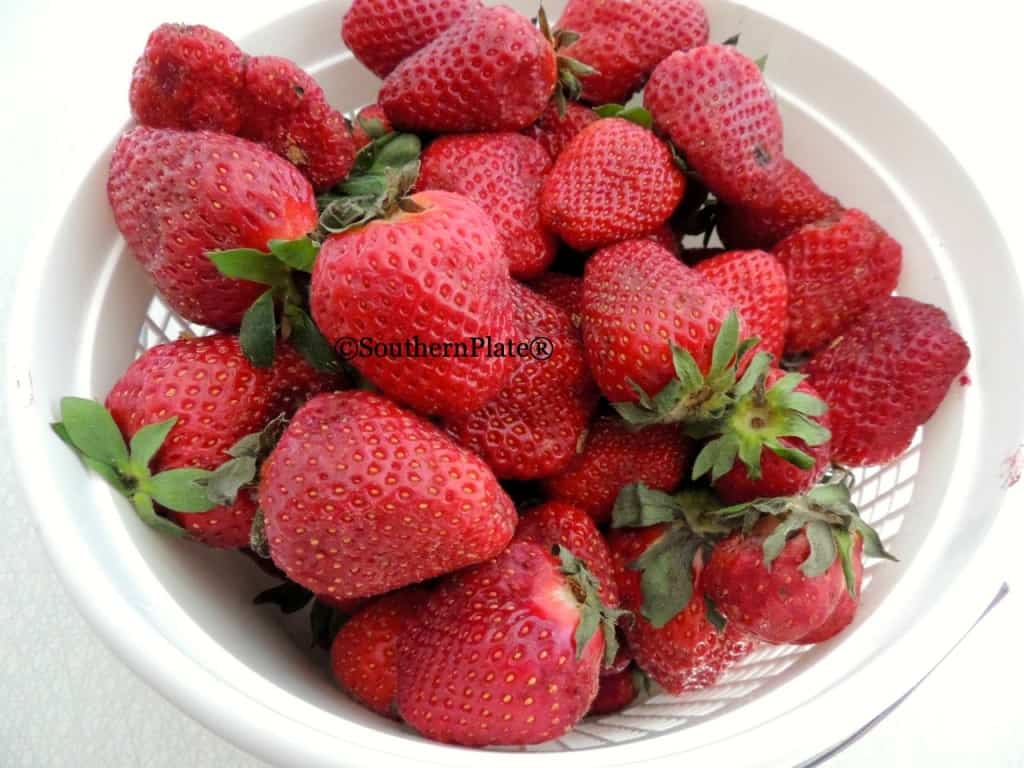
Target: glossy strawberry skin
491 657
615 693
176 196
503 174
756 283
885 376
714 105
382 33
361 497
666 237
615 180
625 40
613 457
364 653
439 275
835 268
556 522
637 298
846 609
778 605
494 71
800 202
218 398
687 653
565 291
360 138
554 131
531 429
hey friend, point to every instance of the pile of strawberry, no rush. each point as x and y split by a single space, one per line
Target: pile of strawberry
496 546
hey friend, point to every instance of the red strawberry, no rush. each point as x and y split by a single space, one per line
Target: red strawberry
846 609
666 237
381 33
714 105
613 456
554 131
556 522
364 654
835 268
371 117
614 181
531 429
492 71
885 376
218 398
502 653
564 291
502 173
361 497
756 283
616 692
434 275
625 40
177 196
694 256
800 202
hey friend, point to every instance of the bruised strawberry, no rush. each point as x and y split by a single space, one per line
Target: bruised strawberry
554 129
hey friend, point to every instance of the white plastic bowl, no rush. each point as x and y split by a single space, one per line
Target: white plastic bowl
180 615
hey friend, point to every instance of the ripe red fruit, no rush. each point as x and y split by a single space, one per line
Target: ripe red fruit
625 40
364 653
714 105
177 196
667 238
381 33
497 654
613 456
435 275
565 291
614 181
369 117
800 202
846 609
557 522
756 283
531 429
885 376
361 497
503 174
491 71
554 131
616 692
835 268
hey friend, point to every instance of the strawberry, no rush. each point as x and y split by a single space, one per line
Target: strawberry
615 180
364 654
666 237
531 429
565 291
800 202
715 107
613 456
554 129
625 40
694 256
382 33
502 173
491 71
370 123
885 376
756 283
835 268
177 196
361 497
506 652
558 523
616 692
659 574
431 272
193 78
846 609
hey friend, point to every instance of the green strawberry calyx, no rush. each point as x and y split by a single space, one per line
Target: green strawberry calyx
637 115
594 614
666 566
570 70
289 597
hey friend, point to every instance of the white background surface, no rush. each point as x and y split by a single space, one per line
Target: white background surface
65 701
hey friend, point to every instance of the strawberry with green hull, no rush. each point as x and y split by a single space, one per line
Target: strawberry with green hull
383 33
614 181
835 269
885 376
555 128
361 497
507 652
370 123
432 270
531 429
846 609
503 174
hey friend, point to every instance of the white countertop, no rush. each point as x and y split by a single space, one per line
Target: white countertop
66 701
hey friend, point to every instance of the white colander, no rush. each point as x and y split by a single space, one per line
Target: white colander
180 615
